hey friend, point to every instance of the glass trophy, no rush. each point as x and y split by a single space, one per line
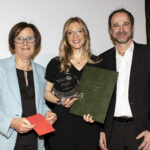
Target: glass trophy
66 85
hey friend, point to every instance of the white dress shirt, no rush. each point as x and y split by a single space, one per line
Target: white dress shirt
123 64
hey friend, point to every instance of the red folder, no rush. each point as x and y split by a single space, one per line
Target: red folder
42 126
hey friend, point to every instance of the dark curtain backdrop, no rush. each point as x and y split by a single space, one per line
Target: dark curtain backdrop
147 13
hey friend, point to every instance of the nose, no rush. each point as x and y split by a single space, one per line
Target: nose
75 34
121 29
25 43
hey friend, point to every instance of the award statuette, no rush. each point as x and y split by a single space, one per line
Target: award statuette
66 85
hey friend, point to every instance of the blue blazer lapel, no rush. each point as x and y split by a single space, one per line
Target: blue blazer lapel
12 78
36 85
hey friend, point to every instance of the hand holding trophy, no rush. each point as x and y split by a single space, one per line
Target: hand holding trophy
66 88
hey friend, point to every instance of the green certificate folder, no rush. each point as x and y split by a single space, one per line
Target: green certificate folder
96 88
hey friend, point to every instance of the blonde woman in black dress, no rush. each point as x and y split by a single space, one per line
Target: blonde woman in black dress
72 132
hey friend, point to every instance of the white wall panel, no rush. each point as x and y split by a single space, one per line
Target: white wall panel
50 15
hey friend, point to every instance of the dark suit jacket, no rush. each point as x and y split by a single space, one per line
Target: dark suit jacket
139 87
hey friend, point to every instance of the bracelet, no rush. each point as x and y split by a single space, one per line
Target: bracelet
59 101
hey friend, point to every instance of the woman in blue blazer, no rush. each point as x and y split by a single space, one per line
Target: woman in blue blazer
22 91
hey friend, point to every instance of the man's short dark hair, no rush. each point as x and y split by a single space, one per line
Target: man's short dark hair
122 10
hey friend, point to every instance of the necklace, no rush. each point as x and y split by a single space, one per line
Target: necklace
79 62
25 68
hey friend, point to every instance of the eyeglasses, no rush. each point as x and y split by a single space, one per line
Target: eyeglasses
77 32
28 39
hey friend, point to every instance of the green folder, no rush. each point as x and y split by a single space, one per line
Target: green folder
96 88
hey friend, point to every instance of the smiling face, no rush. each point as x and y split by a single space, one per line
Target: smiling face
25 50
75 36
121 28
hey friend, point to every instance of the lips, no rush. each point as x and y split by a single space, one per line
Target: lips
122 33
25 49
76 41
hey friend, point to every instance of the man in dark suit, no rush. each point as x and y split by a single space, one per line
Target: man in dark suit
127 125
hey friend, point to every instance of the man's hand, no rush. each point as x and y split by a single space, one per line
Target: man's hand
102 141
145 145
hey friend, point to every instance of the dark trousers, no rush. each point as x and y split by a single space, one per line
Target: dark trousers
123 135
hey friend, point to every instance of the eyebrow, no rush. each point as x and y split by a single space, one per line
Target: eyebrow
123 23
75 30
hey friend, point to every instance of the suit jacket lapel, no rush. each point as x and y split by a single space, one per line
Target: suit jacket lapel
112 59
134 68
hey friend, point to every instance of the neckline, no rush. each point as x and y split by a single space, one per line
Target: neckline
24 70
77 68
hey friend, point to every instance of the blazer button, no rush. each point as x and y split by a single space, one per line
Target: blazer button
131 103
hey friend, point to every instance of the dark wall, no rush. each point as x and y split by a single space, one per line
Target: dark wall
147 14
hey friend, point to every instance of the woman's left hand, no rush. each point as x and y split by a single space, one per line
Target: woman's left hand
88 118
51 117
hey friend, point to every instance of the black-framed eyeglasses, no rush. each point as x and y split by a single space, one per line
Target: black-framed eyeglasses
28 39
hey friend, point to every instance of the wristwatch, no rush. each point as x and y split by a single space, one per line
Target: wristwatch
59 101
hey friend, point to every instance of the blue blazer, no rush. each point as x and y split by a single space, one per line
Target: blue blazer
10 100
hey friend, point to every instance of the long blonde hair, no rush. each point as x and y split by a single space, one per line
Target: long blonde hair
65 50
